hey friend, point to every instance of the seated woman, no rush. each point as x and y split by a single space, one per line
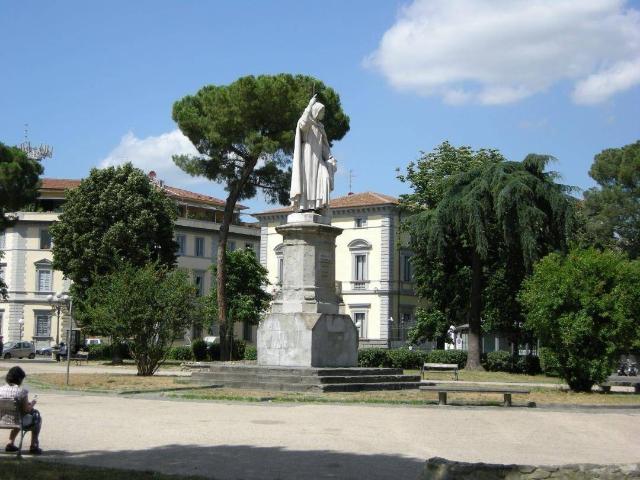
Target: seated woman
13 390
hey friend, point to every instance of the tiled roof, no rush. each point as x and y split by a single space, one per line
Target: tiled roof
180 194
363 199
58 183
173 192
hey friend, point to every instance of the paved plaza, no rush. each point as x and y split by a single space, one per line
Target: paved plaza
236 440
288 441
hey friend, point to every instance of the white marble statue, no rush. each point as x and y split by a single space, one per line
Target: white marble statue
313 165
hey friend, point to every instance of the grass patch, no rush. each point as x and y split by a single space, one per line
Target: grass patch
31 469
116 383
540 396
480 376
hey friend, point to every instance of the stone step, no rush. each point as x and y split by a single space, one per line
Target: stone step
301 387
304 371
306 379
360 387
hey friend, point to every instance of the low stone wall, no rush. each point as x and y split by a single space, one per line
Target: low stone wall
441 469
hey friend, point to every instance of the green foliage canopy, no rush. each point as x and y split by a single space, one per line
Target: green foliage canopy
116 214
254 118
498 217
19 182
247 281
584 308
148 307
612 209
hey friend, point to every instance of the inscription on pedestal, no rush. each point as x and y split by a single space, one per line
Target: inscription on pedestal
325 266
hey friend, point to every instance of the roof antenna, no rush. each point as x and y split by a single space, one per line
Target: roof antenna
351 177
34 153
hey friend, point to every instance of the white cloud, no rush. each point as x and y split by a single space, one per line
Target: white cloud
501 51
154 153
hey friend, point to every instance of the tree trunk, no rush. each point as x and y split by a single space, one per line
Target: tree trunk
226 331
225 323
475 311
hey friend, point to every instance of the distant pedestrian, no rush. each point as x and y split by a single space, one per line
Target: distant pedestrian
30 416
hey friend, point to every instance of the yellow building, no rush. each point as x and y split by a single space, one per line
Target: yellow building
27 262
373 270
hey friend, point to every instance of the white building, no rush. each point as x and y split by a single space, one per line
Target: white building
372 264
27 263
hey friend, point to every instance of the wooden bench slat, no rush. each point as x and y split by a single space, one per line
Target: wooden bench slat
469 389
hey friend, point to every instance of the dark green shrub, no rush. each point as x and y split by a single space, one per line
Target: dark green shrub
447 356
213 350
199 349
374 358
250 353
528 364
180 353
406 359
239 347
584 307
548 362
499 361
99 352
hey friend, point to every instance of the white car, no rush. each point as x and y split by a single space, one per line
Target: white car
18 350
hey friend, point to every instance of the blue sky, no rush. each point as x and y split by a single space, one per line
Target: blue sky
97 80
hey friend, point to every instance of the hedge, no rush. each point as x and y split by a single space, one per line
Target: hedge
104 351
199 349
180 353
404 358
250 352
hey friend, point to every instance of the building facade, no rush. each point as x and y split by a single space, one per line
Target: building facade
27 262
373 268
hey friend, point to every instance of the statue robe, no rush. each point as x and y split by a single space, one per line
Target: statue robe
313 165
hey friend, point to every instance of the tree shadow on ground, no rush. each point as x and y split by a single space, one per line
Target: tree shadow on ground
244 462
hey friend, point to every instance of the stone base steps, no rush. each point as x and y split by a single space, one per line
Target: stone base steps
295 379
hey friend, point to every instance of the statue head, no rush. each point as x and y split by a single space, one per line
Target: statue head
317 111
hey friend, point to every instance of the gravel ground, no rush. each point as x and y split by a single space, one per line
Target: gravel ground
291 441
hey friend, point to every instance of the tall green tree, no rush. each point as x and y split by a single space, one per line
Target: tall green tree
116 214
438 282
244 133
612 209
500 216
19 182
246 288
584 307
148 307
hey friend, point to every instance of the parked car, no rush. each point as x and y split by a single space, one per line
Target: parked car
19 350
44 351
92 341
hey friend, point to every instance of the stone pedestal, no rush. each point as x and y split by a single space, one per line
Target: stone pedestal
304 328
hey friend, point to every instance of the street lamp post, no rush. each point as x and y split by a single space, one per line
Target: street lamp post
57 302
69 335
